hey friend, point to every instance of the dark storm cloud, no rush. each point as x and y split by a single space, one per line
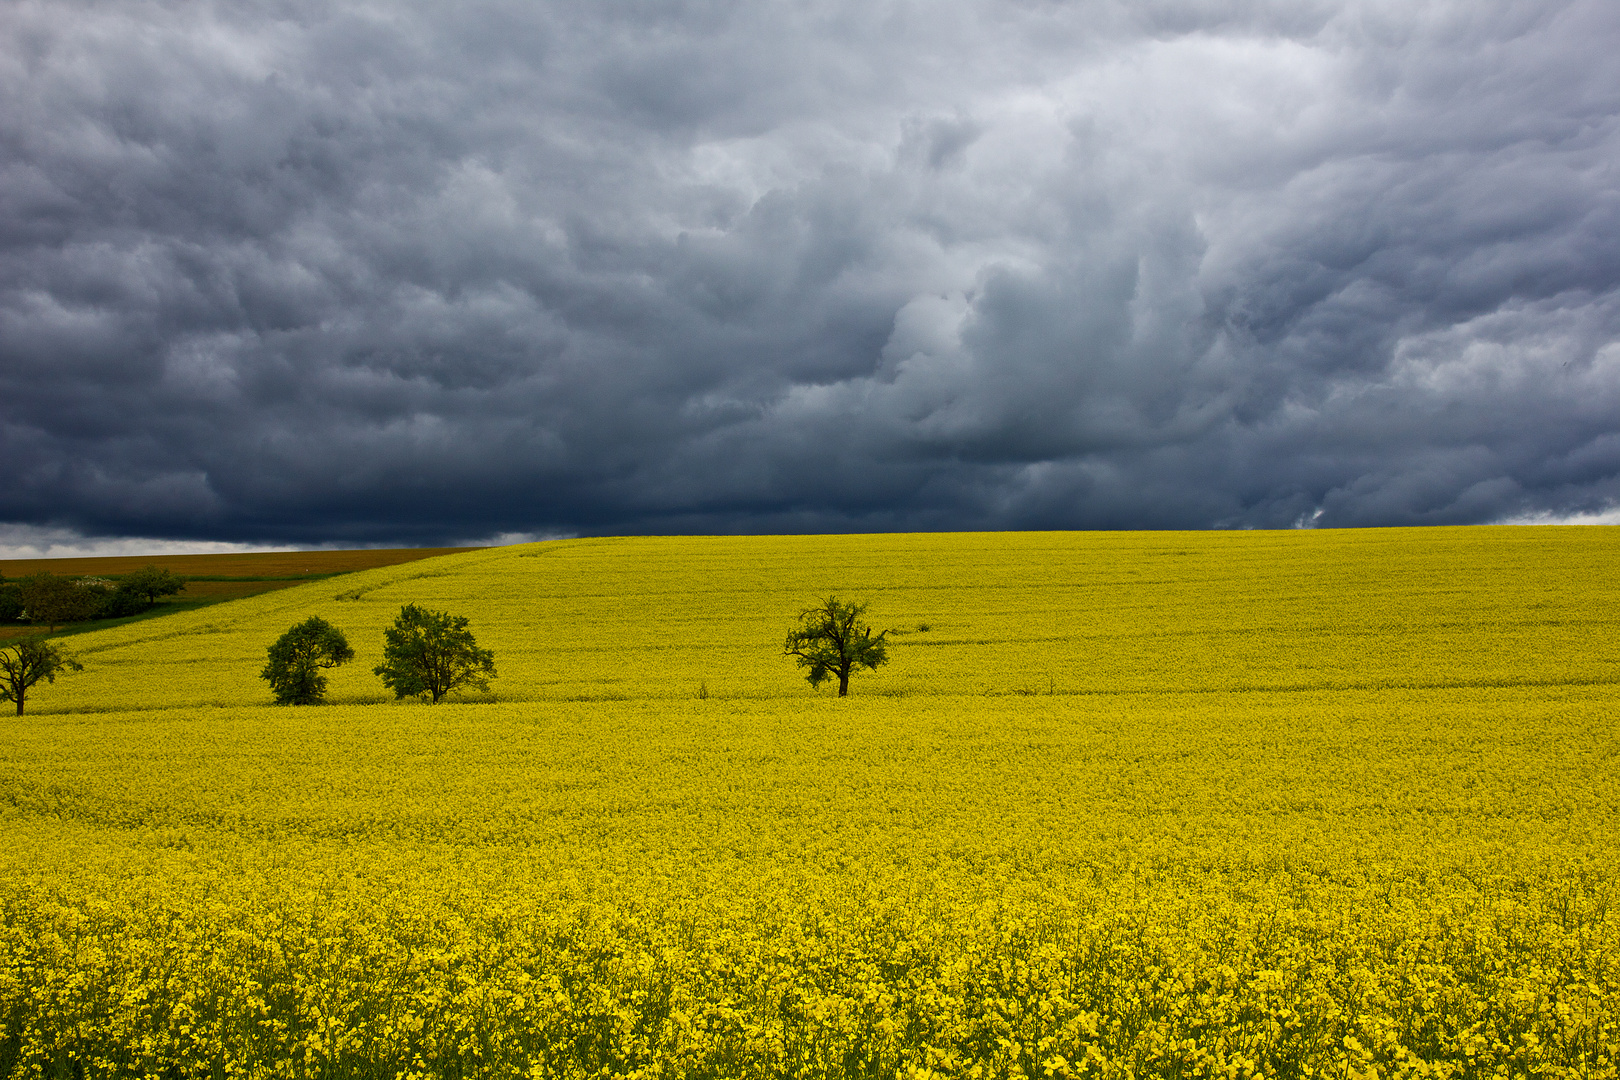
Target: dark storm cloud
289 272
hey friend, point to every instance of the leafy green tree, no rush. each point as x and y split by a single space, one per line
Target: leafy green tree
831 640
24 663
11 602
151 582
298 657
50 600
119 602
430 653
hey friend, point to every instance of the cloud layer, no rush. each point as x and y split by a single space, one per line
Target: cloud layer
288 272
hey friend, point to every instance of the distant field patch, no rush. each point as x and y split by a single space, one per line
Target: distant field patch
213 578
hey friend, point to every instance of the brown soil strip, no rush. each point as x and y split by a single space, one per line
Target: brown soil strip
259 564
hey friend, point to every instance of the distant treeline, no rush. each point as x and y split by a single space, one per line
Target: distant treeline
53 600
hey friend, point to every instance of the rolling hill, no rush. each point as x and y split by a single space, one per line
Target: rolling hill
1179 804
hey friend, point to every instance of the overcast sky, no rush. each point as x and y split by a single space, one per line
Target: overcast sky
393 273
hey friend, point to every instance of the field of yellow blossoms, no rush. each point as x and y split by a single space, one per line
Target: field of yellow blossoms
1302 804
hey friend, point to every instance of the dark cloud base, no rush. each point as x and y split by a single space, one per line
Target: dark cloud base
314 274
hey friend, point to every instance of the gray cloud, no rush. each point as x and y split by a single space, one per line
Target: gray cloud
299 273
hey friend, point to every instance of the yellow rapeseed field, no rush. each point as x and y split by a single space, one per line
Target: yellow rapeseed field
1341 804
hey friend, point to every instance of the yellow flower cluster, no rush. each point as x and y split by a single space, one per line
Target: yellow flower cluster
350 981
1191 805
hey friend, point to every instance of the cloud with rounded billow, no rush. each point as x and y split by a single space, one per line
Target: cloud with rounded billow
333 273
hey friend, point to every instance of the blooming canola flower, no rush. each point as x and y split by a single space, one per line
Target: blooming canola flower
1119 805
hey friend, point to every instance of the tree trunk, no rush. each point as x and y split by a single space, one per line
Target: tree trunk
843 682
19 701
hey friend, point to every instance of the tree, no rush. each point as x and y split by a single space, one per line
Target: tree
432 653
831 640
11 602
151 582
23 663
298 657
52 600
138 591
121 602
107 599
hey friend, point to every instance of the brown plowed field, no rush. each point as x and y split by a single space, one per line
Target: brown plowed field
257 565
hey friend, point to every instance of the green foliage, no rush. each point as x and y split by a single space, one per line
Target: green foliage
52 600
24 663
430 653
831 641
150 582
11 602
119 602
49 600
297 657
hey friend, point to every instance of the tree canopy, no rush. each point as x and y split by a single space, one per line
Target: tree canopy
151 582
50 600
24 663
11 601
430 653
831 641
298 658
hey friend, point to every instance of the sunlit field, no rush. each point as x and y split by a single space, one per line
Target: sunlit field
1120 804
